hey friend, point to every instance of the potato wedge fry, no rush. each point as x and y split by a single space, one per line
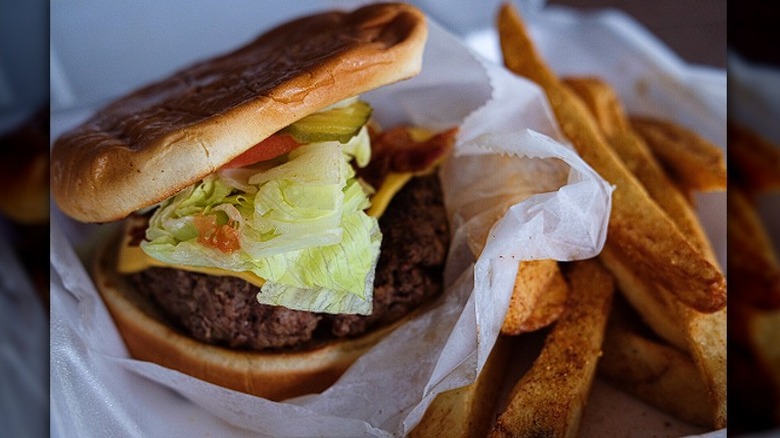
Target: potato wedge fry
695 162
602 102
683 327
604 105
753 264
661 375
755 161
468 411
645 234
548 400
706 338
646 298
538 299
701 335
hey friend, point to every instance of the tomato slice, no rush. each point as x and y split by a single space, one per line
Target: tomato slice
270 148
222 237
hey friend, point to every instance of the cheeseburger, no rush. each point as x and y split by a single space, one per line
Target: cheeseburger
272 231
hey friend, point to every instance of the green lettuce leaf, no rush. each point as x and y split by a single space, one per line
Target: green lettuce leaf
300 225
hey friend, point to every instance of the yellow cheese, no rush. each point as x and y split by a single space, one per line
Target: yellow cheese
395 181
391 185
133 259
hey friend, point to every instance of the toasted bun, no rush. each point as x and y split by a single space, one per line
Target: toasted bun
149 336
148 145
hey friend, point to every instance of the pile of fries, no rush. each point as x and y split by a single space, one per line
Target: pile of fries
648 314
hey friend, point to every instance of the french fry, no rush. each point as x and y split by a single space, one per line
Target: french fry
644 233
643 191
538 299
602 102
655 372
468 411
706 339
604 105
695 162
755 161
702 335
683 327
548 399
646 298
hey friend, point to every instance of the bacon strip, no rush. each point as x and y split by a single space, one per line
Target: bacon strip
395 150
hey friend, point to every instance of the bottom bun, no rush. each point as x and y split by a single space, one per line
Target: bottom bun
272 375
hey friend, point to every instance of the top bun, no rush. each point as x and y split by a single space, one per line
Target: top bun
156 141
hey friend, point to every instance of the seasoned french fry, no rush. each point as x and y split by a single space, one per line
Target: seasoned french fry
538 299
755 161
644 233
468 411
646 298
702 335
655 372
706 338
548 400
695 162
684 328
603 103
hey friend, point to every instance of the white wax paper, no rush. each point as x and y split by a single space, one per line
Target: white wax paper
539 201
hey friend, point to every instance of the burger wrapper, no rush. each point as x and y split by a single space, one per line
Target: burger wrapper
514 191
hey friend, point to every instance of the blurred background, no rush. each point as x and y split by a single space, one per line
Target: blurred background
695 30
754 110
24 218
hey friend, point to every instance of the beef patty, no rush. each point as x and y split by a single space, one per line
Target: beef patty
225 311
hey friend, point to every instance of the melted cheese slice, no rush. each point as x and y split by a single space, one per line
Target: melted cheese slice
133 259
392 184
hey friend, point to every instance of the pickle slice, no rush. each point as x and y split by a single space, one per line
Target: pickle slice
338 124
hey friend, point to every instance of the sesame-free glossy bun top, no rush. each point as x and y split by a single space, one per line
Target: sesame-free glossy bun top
156 141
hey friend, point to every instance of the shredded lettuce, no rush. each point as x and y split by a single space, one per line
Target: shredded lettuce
300 225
